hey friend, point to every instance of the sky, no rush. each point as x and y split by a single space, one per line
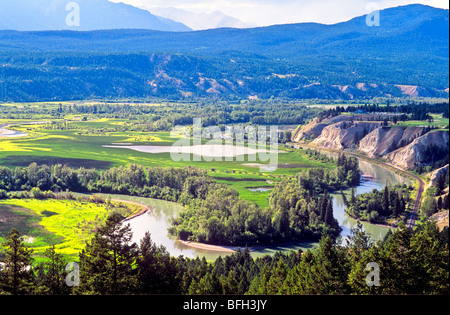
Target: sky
270 12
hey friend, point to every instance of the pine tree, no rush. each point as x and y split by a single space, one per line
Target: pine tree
329 218
277 278
52 274
324 272
439 204
156 269
445 202
360 250
108 261
386 209
323 206
397 206
353 196
16 275
440 184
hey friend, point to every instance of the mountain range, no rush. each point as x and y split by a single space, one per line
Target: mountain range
44 15
406 56
201 21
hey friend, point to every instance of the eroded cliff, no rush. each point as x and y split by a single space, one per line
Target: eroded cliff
406 147
420 152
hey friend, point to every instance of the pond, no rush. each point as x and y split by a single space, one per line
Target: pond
260 189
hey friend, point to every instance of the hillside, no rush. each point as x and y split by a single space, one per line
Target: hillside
200 21
43 15
405 147
406 56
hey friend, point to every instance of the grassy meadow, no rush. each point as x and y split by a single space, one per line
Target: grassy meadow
82 146
66 224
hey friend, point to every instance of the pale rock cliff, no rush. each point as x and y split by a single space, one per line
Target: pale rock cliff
382 141
405 147
315 128
345 134
412 155
435 174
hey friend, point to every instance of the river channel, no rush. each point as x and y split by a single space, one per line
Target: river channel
158 221
6 133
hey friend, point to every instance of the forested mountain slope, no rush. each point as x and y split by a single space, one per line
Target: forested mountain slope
407 55
45 15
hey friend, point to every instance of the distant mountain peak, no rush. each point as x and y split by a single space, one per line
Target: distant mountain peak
407 56
83 15
201 21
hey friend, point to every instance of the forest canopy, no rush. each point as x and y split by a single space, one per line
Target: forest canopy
298 210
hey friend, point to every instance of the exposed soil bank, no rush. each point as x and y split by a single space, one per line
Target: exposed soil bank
213 248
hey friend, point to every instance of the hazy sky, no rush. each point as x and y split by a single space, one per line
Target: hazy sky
269 12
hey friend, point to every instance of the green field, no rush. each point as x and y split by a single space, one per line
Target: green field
66 224
83 147
438 121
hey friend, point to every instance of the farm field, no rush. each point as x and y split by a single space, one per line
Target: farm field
83 146
66 224
438 121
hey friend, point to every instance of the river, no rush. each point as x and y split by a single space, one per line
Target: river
158 221
6 133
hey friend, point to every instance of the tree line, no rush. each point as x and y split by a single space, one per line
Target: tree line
318 180
410 262
217 215
379 206
169 184
147 118
300 208
412 111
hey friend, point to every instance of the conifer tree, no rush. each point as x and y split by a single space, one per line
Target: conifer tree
52 274
108 261
16 275
386 209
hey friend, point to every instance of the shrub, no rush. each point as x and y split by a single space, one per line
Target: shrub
37 193
3 194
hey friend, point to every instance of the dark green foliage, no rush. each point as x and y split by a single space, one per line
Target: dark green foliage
317 180
296 212
144 118
379 206
16 275
155 269
216 213
405 267
129 63
108 261
51 275
411 262
435 156
222 218
160 183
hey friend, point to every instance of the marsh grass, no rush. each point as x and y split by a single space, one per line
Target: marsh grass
66 224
